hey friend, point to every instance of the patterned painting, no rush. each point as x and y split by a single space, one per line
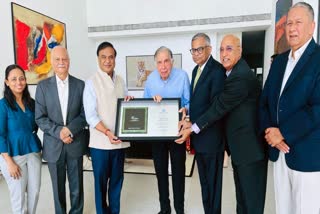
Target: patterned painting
34 36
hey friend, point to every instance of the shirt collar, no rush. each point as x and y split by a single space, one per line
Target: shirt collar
60 81
298 53
204 64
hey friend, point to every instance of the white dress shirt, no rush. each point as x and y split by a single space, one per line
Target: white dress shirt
293 59
63 92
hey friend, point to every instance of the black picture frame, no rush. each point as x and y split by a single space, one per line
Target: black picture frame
158 126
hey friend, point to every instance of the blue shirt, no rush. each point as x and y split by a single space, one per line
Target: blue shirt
176 86
18 131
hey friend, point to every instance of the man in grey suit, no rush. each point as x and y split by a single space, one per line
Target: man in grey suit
60 115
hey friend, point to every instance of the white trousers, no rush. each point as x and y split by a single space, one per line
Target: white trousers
29 182
295 192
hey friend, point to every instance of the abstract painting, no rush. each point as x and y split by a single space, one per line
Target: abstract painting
34 36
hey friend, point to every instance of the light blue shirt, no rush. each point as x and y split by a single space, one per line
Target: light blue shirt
90 104
176 86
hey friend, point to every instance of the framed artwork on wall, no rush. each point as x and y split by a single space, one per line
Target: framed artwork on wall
34 36
280 42
139 67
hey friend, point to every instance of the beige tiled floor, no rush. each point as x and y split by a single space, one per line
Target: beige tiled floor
139 194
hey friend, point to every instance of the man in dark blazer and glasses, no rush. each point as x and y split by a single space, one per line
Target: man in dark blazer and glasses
206 84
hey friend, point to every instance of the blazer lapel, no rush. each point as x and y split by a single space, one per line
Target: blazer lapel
71 93
194 73
302 61
281 68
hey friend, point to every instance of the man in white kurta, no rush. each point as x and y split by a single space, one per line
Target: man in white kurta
101 93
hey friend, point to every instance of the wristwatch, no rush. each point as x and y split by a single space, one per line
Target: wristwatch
187 118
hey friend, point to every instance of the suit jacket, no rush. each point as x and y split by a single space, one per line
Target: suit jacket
297 111
237 105
49 118
208 86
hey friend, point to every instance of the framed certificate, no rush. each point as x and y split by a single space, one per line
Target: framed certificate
145 119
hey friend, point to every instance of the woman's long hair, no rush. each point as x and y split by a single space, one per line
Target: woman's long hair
10 97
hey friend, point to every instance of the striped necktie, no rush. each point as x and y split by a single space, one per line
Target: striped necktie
197 77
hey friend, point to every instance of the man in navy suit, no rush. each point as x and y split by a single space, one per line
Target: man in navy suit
207 82
290 116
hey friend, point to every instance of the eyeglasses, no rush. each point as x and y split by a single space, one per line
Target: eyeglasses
199 50
228 49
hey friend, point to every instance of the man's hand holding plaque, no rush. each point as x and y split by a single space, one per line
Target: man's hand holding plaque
184 127
157 98
128 98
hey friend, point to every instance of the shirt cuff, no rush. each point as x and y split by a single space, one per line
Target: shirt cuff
195 128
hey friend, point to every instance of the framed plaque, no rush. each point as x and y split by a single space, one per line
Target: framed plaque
144 119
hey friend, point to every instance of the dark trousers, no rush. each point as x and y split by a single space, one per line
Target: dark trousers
160 154
58 170
210 174
250 181
107 169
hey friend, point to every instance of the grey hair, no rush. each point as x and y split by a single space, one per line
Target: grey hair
202 35
163 48
305 5
56 47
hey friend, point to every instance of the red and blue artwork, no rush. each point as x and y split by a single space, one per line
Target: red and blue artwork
35 36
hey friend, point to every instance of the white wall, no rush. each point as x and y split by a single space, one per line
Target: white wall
102 13
146 40
81 49
123 12
269 44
